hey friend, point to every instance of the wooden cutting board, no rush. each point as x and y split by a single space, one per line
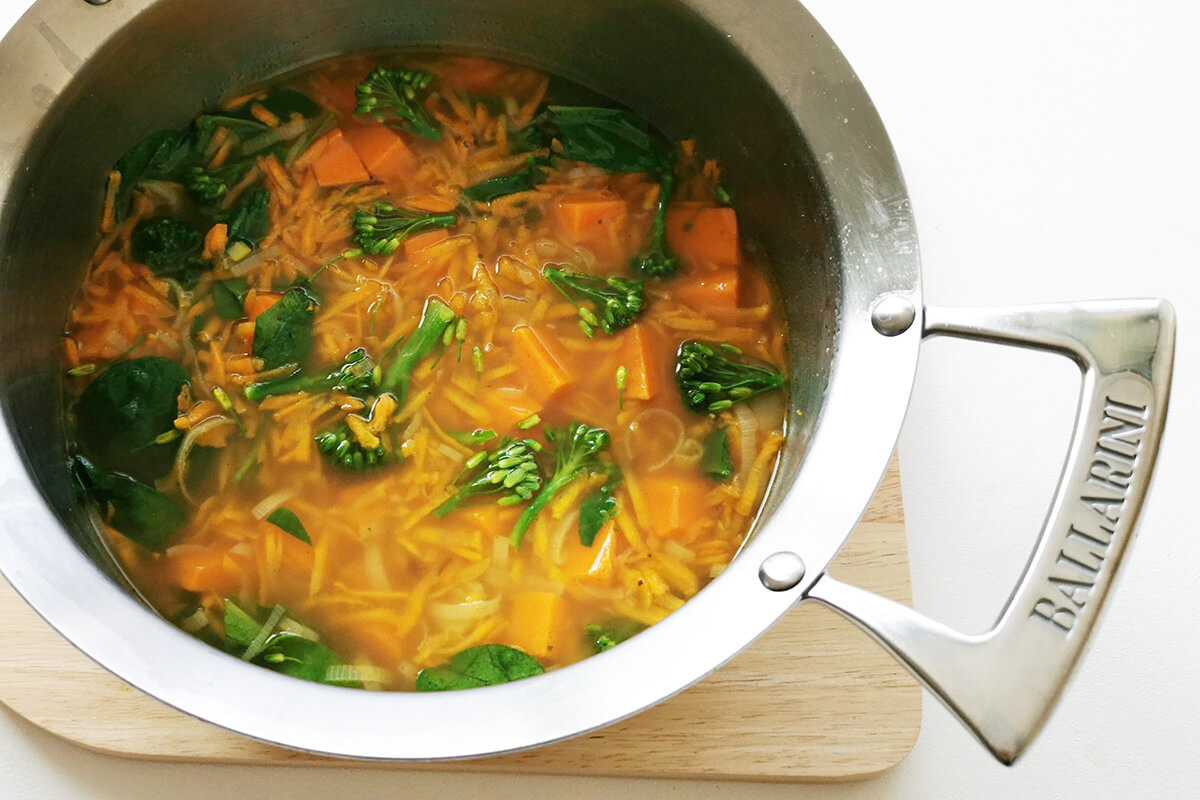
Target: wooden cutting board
812 700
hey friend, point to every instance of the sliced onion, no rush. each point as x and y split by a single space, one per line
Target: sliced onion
650 419
373 566
194 622
412 427
252 261
163 193
271 502
689 454
260 639
291 626
362 673
747 423
677 551
464 612
286 131
185 449
449 452
500 551
558 536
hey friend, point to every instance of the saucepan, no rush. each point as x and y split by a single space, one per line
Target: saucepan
762 87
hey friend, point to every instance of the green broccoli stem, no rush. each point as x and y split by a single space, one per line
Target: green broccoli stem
356 375
381 230
578 448
435 320
553 487
396 90
656 259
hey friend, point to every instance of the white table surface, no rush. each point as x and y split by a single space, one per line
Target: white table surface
1051 151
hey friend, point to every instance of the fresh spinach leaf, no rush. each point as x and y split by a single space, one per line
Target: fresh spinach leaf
609 138
170 248
122 412
528 138
240 627
523 181
283 651
139 512
485 665
287 521
292 654
282 103
250 219
159 155
610 633
716 461
229 297
283 333
599 507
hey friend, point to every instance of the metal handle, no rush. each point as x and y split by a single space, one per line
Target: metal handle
1004 683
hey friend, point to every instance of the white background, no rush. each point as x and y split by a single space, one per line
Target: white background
1051 151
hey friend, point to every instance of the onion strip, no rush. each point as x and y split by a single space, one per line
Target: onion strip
289 130
747 422
464 612
185 449
271 502
260 639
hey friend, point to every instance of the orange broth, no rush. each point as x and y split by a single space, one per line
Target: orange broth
385 582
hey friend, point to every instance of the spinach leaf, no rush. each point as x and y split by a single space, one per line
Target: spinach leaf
302 658
716 461
485 665
240 627
170 248
282 103
529 137
139 512
609 138
229 297
599 507
523 181
161 154
610 633
284 652
287 521
125 408
250 219
283 333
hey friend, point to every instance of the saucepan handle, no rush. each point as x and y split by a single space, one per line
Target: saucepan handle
1004 683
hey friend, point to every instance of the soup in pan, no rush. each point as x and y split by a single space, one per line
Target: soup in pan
432 372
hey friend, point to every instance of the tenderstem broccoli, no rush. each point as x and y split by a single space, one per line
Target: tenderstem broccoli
435 321
711 381
357 375
359 443
616 301
510 471
397 91
380 230
577 452
655 260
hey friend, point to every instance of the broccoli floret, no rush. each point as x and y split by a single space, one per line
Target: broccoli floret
170 248
656 260
616 302
359 444
710 381
381 230
208 187
577 451
509 470
356 375
396 90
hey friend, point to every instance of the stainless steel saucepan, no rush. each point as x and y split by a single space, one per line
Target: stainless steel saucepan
763 88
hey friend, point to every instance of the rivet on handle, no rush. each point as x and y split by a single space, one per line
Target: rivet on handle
781 571
893 314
